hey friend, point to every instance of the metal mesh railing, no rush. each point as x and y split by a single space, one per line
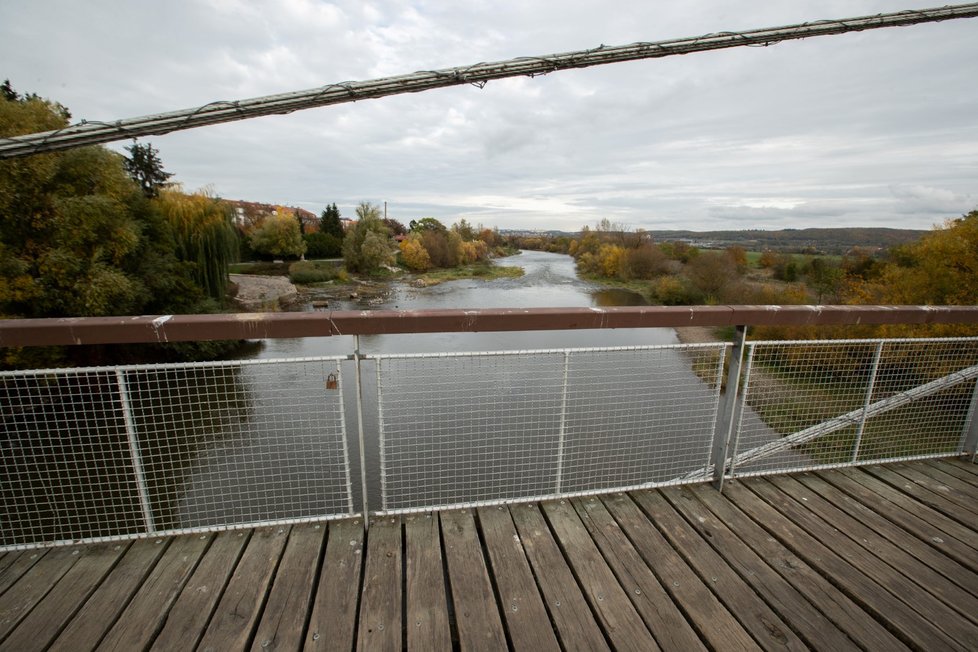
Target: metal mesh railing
110 452
820 404
476 428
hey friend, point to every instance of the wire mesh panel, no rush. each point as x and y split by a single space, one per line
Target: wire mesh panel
637 417
66 468
831 403
129 450
476 428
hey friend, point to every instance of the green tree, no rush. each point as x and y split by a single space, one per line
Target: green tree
145 168
205 236
329 222
357 254
323 245
426 224
278 236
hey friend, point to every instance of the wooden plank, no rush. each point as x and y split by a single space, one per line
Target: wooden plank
142 620
958 470
102 609
380 604
910 503
961 463
847 615
427 605
240 606
50 616
905 518
19 563
522 606
922 611
933 498
661 616
882 540
334 613
32 586
622 625
753 613
193 608
707 615
963 493
283 621
789 604
569 611
874 521
476 612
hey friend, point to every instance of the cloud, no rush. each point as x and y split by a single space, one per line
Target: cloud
870 128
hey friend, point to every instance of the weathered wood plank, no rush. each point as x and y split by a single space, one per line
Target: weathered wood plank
569 611
661 616
192 610
950 527
380 604
102 609
906 519
961 463
476 612
955 468
234 620
427 604
868 524
961 492
622 625
32 586
283 621
880 541
334 611
847 615
921 611
19 563
46 620
754 614
522 606
711 619
143 618
789 604
920 491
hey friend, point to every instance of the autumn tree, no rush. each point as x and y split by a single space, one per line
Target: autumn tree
278 236
413 254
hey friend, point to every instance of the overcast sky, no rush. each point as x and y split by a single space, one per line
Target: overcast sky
871 129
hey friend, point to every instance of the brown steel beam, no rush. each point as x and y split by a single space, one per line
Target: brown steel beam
256 326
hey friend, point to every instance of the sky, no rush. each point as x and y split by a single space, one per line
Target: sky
876 128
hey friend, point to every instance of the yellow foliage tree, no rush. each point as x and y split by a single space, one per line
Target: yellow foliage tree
414 255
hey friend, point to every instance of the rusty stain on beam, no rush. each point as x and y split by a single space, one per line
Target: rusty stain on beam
256 326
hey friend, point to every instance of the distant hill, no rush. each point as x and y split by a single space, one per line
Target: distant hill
826 241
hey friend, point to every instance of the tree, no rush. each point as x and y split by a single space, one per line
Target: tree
394 226
145 168
205 236
323 245
464 230
426 224
413 254
329 222
357 254
278 236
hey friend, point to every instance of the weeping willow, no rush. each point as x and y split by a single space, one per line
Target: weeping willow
204 236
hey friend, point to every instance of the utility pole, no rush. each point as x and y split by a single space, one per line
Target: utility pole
385 210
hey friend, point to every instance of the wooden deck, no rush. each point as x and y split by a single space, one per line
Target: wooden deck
880 558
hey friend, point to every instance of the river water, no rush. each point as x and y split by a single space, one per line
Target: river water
549 281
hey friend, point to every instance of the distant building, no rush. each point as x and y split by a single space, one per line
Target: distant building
248 214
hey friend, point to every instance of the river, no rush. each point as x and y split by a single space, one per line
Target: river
549 281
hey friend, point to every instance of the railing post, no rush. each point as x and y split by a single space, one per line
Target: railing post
725 420
563 423
969 438
869 397
137 460
363 456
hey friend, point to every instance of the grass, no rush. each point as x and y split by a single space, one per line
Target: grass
316 271
484 271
